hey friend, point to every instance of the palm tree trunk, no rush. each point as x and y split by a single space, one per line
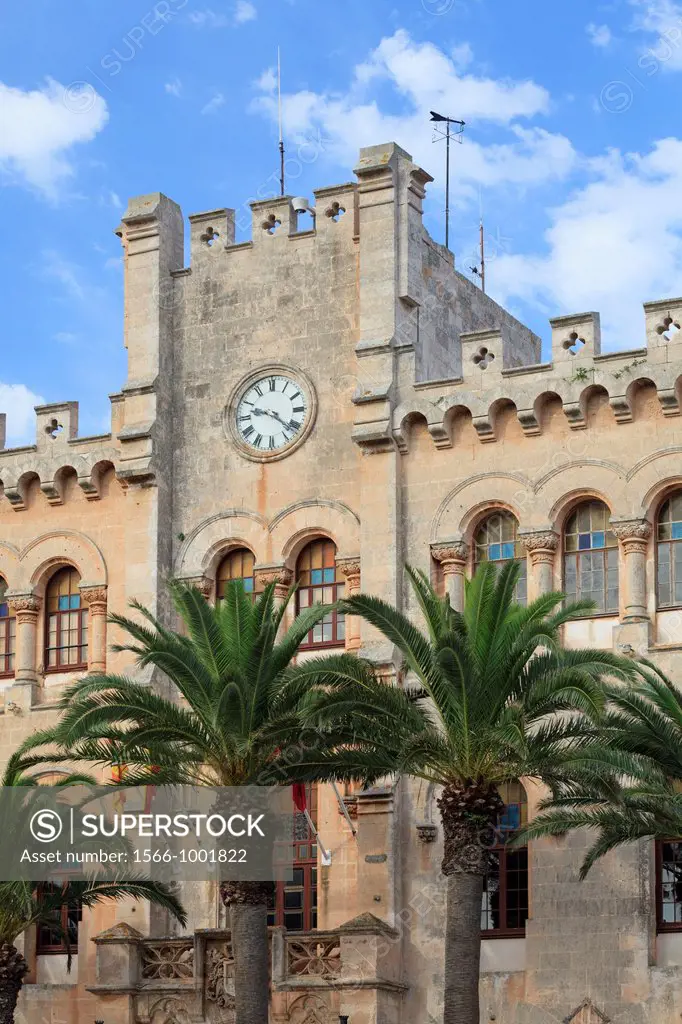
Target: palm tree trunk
469 809
13 969
462 948
248 905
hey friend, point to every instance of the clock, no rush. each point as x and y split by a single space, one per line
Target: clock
271 412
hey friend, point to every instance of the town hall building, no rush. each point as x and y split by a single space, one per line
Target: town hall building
319 405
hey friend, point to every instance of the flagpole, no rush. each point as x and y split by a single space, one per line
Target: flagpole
344 809
281 129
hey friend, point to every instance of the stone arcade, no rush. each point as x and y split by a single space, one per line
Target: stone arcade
405 414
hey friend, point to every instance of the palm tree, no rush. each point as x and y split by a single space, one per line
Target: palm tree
26 903
490 697
237 712
626 784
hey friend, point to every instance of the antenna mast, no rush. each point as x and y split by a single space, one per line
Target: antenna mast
281 130
447 135
482 257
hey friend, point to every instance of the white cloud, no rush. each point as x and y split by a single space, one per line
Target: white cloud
599 35
421 78
174 87
661 22
215 103
267 82
18 402
38 129
613 244
462 55
244 11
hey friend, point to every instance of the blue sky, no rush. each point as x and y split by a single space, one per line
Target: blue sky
573 149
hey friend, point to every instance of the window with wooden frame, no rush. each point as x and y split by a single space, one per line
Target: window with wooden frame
504 910
50 941
591 558
669 885
318 584
66 623
294 903
497 541
8 634
237 565
669 553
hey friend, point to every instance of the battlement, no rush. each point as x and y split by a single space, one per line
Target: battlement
578 371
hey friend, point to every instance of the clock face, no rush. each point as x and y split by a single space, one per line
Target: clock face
271 413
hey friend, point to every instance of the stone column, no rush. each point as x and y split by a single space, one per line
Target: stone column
541 548
96 600
350 569
282 577
453 556
26 610
633 536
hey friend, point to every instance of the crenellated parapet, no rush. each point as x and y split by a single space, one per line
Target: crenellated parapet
578 371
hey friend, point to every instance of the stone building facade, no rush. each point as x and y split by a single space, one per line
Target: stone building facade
324 404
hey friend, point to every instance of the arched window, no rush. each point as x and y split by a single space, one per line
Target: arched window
317 584
497 541
591 557
237 565
669 885
66 644
505 888
669 553
8 634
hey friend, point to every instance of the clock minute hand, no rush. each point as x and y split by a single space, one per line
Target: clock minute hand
277 417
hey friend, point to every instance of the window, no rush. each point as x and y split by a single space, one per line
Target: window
591 557
66 623
669 553
497 541
50 940
317 584
294 904
669 885
8 634
238 565
505 888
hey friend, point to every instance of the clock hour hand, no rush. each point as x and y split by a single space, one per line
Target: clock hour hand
277 417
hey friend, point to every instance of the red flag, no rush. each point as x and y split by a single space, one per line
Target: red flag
299 795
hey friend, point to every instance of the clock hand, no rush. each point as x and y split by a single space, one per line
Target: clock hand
277 417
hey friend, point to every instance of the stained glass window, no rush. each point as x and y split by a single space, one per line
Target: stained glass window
66 623
505 888
317 584
497 541
8 634
238 565
669 553
591 557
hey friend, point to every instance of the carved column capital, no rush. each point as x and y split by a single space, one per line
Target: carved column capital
350 568
280 575
452 555
25 607
202 583
541 546
633 534
95 598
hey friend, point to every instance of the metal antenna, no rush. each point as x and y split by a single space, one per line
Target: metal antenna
447 135
479 271
281 130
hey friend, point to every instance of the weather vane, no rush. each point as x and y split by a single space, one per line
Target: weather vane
448 134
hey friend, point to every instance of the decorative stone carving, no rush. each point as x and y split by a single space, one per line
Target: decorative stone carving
427 832
575 415
166 961
169 1010
621 408
278 574
311 1010
350 568
451 554
587 1013
632 533
668 399
202 584
540 546
529 422
318 956
94 597
484 428
219 983
24 606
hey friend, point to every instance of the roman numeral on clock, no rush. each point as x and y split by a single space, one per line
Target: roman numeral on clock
248 432
272 382
257 440
293 425
298 408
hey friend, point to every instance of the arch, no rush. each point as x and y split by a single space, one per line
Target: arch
472 496
590 556
408 412
209 542
237 564
301 522
565 485
42 556
10 568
